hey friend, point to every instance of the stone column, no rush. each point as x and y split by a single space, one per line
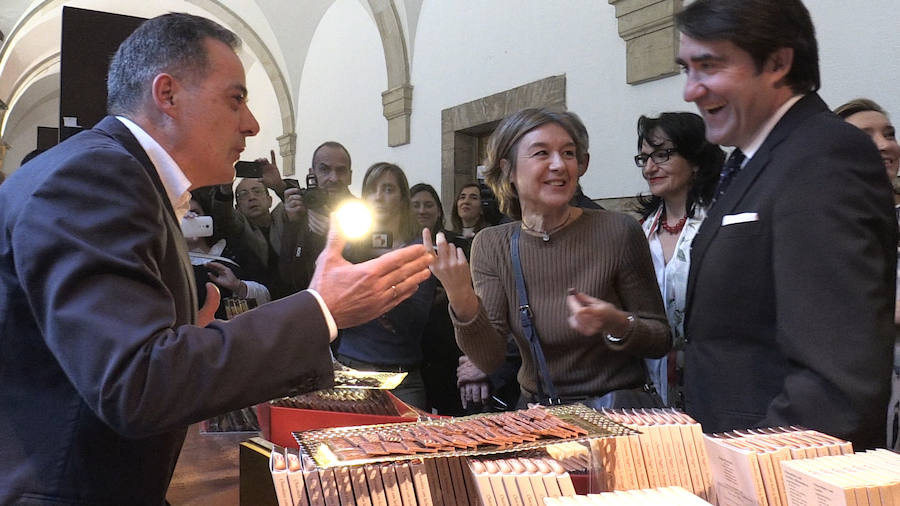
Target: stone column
651 41
287 148
397 104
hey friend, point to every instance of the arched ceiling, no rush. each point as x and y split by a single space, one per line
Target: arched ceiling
276 35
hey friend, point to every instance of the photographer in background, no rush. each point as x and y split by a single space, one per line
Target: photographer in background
327 185
252 227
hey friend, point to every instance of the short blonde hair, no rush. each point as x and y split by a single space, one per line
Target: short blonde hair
503 144
858 105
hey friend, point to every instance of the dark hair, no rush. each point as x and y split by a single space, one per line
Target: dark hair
503 144
408 225
333 145
31 154
174 43
759 27
440 225
858 105
687 132
455 219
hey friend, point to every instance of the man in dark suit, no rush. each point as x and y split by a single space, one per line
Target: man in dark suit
101 367
789 299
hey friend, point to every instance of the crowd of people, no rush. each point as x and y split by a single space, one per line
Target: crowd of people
757 289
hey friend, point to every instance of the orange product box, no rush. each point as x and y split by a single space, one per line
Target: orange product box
277 423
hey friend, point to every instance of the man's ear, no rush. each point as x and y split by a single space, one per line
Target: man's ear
779 63
163 89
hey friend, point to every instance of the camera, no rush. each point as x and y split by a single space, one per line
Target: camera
198 226
248 169
382 240
314 198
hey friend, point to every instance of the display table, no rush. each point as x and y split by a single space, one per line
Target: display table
207 471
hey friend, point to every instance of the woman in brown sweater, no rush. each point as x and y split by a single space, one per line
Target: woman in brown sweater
590 281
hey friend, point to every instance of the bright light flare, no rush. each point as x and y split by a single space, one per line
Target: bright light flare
354 218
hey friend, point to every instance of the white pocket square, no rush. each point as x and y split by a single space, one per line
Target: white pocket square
731 219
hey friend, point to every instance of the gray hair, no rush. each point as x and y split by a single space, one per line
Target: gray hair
173 43
503 144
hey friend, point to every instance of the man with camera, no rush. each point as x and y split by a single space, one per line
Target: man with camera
307 211
252 227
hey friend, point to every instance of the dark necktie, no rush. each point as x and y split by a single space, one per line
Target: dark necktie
729 170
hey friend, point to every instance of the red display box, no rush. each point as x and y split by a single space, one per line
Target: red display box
279 423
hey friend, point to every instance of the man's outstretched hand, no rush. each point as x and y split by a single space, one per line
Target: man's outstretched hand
357 293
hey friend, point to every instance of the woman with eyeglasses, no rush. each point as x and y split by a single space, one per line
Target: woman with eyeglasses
682 169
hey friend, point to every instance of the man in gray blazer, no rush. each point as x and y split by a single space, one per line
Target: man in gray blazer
104 360
789 301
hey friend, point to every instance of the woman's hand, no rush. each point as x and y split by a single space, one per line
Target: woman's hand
474 386
467 372
475 394
224 277
452 270
590 316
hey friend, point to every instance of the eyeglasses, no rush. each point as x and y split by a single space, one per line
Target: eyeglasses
256 190
658 156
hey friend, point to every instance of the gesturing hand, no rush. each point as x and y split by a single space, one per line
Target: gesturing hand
452 270
223 276
270 175
590 316
359 293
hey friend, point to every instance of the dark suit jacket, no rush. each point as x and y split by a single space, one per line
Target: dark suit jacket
789 316
100 369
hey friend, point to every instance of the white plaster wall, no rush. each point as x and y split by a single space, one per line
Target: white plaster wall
859 51
22 132
340 91
264 106
467 50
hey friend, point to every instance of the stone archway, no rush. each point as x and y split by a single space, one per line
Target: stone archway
397 99
287 141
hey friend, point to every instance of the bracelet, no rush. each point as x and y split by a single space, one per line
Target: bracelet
614 339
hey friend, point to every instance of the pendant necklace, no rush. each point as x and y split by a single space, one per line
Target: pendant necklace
545 234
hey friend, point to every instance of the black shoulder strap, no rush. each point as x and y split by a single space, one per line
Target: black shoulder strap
546 390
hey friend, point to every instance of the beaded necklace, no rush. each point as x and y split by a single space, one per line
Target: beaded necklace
672 230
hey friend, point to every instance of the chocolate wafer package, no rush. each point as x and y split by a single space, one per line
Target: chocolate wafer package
436 462
278 468
295 477
485 433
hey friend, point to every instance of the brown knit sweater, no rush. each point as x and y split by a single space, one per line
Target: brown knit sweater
603 254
